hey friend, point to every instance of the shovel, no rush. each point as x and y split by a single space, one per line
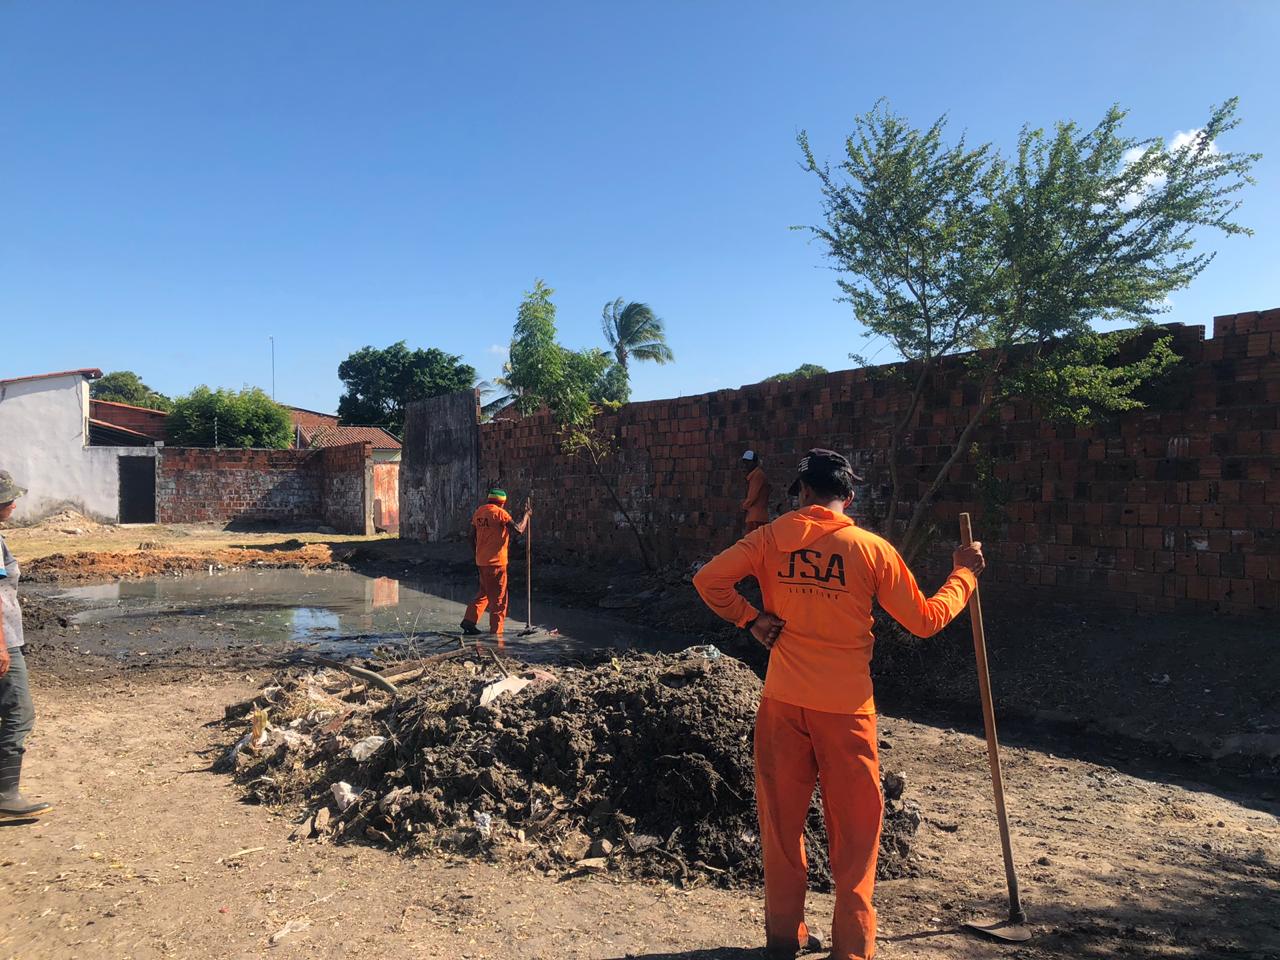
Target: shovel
529 628
1014 929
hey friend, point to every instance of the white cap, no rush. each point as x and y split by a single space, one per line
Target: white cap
749 455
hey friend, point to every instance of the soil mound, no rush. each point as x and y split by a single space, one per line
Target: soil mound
65 567
639 765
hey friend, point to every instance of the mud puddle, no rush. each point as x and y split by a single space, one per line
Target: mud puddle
336 612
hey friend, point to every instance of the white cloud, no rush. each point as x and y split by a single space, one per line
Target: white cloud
499 349
1181 140
1186 138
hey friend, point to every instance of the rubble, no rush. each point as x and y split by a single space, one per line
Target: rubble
638 765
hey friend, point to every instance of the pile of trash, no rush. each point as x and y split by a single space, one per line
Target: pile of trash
639 764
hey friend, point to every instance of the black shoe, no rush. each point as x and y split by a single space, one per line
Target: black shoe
469 628
15 806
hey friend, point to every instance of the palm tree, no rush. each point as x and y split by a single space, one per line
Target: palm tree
634 331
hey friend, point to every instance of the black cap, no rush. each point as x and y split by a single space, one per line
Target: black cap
818 465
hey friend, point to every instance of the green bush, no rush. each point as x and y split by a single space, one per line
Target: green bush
229 418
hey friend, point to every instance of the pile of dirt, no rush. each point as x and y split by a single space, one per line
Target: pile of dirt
639 765
64 567
69 522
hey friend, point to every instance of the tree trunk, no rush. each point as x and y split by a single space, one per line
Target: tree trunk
913 539
895 440
613 494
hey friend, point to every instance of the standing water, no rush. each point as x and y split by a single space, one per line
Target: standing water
334 611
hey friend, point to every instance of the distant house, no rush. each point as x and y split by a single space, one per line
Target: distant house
124 425
307 423
386 448
69 454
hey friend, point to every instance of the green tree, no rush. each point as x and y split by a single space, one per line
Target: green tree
380 382
946 249
572 385
536 368
125 386
803 372
229 418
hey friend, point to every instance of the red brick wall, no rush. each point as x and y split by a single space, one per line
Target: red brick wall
205 485
150 422
347 487
1175 507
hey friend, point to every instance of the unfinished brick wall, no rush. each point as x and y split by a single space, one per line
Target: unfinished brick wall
347 487
196 485
330 486
1171 508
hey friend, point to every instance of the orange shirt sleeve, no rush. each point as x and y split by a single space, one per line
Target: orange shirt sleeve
718 580
901 597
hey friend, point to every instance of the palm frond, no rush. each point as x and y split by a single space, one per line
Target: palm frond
656 351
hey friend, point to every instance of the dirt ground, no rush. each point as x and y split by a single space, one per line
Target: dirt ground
149 854
1132 837
71 533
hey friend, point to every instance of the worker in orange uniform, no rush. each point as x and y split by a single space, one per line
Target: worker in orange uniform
819 574
756 503
491 532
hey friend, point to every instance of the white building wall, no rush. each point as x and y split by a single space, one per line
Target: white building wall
43 443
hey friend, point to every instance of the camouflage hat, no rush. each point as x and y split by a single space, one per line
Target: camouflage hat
8 489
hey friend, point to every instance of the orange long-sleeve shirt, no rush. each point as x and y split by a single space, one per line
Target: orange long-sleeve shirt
820 572
492 534
757 500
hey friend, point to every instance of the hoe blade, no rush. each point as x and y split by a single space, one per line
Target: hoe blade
1006 930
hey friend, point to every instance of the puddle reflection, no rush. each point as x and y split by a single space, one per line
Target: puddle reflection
340 611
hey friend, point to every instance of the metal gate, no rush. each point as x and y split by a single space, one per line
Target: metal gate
137 489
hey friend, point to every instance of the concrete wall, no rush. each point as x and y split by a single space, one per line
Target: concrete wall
386 496
1176 507
43 440
439 471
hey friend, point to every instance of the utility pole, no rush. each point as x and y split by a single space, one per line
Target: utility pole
273 367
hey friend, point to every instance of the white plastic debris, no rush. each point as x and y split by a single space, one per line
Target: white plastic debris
498 688
484 823
343 795
293 926
366 748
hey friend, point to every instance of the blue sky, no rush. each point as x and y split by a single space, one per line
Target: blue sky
181 180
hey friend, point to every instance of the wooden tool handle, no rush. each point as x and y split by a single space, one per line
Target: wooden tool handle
528 573
1016 912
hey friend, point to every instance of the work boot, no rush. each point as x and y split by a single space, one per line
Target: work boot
13 805
469 628
814 945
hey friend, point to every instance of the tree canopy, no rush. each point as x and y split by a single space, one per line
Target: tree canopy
380 382
943 249
229 418
572 384
802 372
125 386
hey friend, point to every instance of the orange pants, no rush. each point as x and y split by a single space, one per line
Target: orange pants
795 747
492 596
